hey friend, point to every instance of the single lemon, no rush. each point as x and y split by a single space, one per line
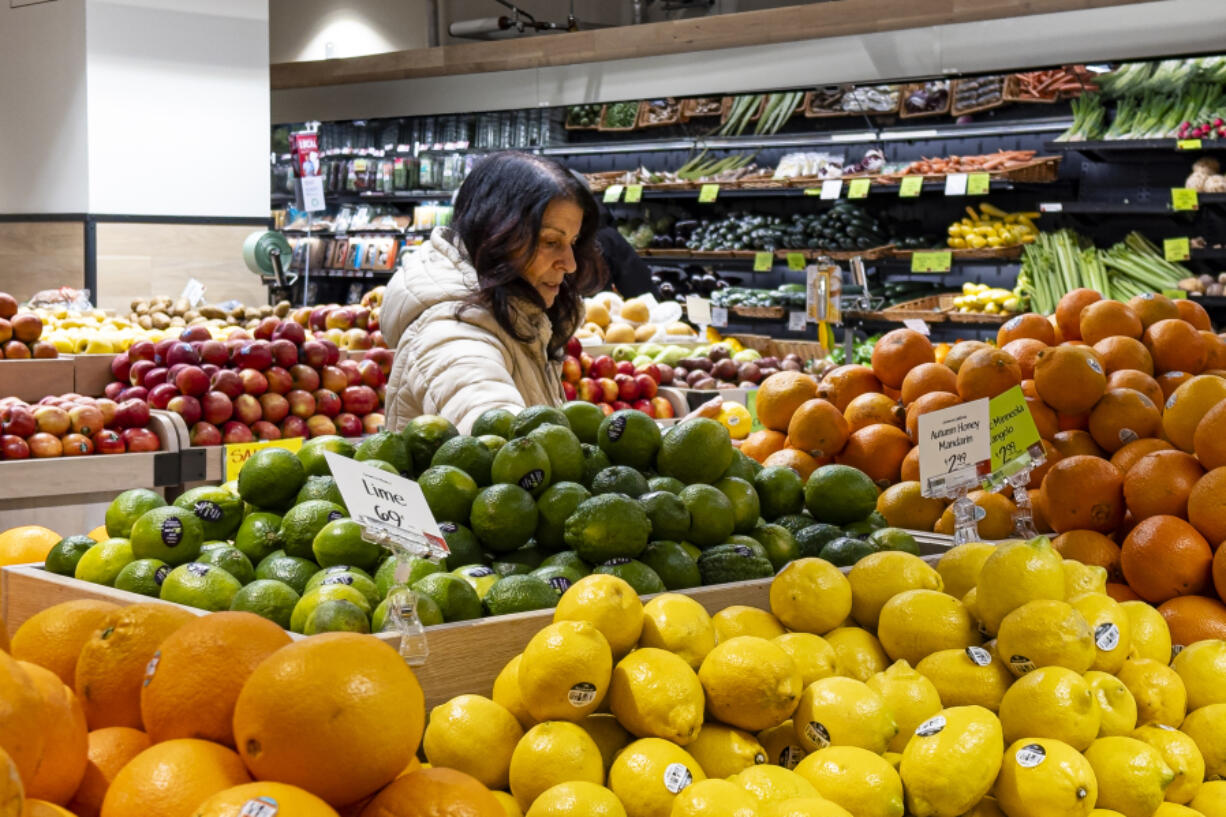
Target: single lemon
970 677
876 578
810 596
678 624
740 619
1151 637
1080 579
609 735
506 693
750 683
507 801
1132 776
610 604
656 694
1041 777
551 753
986 807
1181 754
859 653
960 565
806 807
856 779
773 784
917 623
1202 666
910 697
564 673
951 760
723 751
1111 627
1211 799
1016 573
1207 726
714 798
1044 633
1158 691
649 774
843 712
1116 706
1169 809
474 735
781 745
576 798
814 656
1051 702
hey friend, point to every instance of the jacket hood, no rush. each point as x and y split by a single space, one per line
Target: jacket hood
437 272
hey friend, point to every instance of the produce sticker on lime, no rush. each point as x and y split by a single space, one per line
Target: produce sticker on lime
239 453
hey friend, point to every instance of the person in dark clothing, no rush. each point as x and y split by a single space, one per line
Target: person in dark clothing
627 272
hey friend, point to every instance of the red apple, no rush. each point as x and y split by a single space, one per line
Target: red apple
317 318
382 357
376 338
195 334
573 347
228 383
589 390
627 389
154 376
647 386
161 348
301 403
205 433
359 399
108 441
133 393
304 377
644 406
334 351
216 408
236 432
293 426
351 370
192 380
44 445
107 407
238 334
18 420
604 366
608 389
187 407
112 390
625 367
120 364
620 405
264 430
86 419
254 383
339 318
373 423
247 409
52 420
215 352
319 426
568 390
138 370
348 425
372 375
334 379
181 352
279 380
606 408
141 350
275 407
314 354
291 331
652 370
284 353
301 316
361 317
13 447
664 408
585 363
265 328
210 370
256 354
571 370
357 339
76 445
140 439
327 402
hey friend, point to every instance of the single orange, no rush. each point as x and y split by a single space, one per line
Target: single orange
1140 381
961 351
26 544
1215 351
780 395
1194 618
1091 548
909 470
1068 312
173 778
845 383
65 753
1051 455
898 352
1132 453
1106 319
1120 353
1038 511
926 378
289 800
1122 416
987 373
1076 442
421 793
1207 507
869 409
1070 379
877 450
110 749
1082 492
818 428
1209 439
1188 405
1176 346
1025 351
1073 422
1219 572
22 727
934 401
761 444
800 462
1193 313
997 521
1152 307
1164 557
53 638
1160 483
1026 326
1122 592
1169 382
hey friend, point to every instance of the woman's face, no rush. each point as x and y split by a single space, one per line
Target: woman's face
554 258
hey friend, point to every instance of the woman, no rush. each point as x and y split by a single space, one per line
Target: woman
479 314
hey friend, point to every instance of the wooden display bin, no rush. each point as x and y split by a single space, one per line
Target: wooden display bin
71 494
32 380
91 374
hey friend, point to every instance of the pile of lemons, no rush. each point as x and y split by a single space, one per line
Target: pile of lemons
1003 682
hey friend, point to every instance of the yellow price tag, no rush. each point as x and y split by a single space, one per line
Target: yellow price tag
858 189
1188 144
1183 199
934 261
978 184
239 453
763 261
910 187
634 194
1174 293
708 193
1176 249
813 191
1013 428
796 260
612 193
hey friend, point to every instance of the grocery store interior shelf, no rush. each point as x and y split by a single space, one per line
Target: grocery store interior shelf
1132 149
1107 208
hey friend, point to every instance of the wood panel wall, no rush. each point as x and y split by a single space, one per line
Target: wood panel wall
37 255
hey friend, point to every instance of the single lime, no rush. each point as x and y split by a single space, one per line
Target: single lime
129 506
200 585
219 511
584 418
534 416
594 461
712 517
670 518
469 455
504 517
463 544
64 555
894 539
695 451
386 447
171 534
424 435
554 506
608 526
840 494
454 596
642 578
340 542
670 484
497 421
493 442
620 479
259 535
449 491
845 551
311 455
336 616
481 577
564 450
290 570
520 594
144 576
745 505
742 467
302 523
523 462
780 490
230 559
629 437
780 545
351 576
674 565
267 598
323 488
567 558
813 537
271 478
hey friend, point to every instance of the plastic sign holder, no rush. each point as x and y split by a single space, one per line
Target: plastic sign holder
955 455
394 514
1016 451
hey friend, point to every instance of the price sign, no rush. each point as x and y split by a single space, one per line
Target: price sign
858 189
634 194
813 191
934 261
1013 428
1174 293
796 261
796 321
978 184
1188 144
719 317
916 325
1051 207
312 188
763 261
708 193
955 184
239 453
1184 199
698 310
831 189
911 187
612 193
1176 249
387 502
955 448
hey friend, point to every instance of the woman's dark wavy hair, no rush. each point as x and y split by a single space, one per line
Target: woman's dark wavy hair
498 213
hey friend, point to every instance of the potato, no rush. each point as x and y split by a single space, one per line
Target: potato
265 311
282 309
213 312
190 315
160 320
146 322
137 303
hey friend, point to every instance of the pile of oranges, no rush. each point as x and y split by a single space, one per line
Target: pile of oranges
152 710
1129 398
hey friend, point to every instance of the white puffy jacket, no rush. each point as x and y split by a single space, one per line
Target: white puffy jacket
459 366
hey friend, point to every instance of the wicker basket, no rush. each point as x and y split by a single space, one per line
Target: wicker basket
1013 92
599 182
701 107
604 112
954 110
769 312
1041 170
977 317
672 117
908 88
568 125
930 308
806 349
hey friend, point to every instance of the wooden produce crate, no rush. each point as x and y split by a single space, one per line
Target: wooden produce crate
71 494
32 380
91 374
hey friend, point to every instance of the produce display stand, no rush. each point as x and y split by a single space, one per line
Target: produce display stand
32 380
91 374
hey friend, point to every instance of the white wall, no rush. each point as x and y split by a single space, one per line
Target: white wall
42 108
178 117
321 29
